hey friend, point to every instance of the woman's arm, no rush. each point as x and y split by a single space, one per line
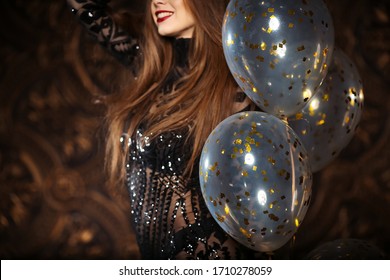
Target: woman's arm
95 18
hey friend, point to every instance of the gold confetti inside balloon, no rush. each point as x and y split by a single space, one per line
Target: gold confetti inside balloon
278 51
328 122
256 180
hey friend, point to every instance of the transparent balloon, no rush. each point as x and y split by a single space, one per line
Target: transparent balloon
256 180
328 122
347 249
278 51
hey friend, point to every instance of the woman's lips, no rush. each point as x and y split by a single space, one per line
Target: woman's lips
163 16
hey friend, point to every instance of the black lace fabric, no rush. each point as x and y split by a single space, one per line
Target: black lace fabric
94 17
168 211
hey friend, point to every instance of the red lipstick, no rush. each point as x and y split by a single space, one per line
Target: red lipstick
162 18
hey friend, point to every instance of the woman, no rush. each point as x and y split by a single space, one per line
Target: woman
182 91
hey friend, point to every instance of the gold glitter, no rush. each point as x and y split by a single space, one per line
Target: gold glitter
291 12
227 209
250 140
233 156
249 17
260 58
263 172
271 10
273 217
315 54
269 30
233 14
290 25
253 126
325 52
264 14
247 193
244 232
223 152
220 218
296 222
272 191
254 90
213 167
247 67
271 160
248 148
244 173
301 48
254 168
230 42
320 122
299 116
325 97
263 46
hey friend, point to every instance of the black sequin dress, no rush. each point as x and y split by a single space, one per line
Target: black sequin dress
169 214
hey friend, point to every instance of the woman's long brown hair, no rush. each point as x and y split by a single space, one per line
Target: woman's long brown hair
204 98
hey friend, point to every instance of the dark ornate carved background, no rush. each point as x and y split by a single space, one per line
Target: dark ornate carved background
53 200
